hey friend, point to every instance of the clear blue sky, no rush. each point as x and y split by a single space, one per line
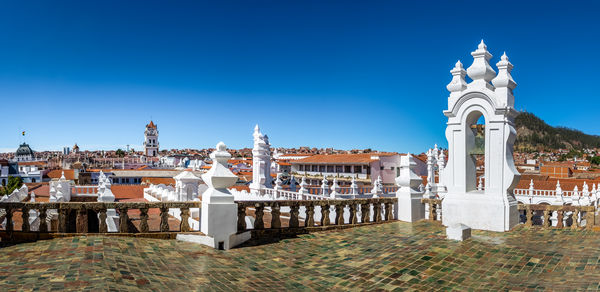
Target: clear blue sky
343 74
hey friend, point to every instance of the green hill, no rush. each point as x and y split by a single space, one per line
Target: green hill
534 134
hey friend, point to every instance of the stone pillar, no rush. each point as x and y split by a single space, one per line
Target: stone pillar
354 188
303 185
335 189
325 187
261 162
219 211
377 189
430 174
409 207
278 186
441 163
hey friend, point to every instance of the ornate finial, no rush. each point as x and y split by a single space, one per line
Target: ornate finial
480 71
220 155
482 45
504 79
531 184
221 146
458 82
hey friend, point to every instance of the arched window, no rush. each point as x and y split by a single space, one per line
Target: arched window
475 147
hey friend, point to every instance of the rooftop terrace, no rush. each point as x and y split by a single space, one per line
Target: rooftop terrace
383 256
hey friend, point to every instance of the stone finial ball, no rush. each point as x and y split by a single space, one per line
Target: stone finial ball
221 146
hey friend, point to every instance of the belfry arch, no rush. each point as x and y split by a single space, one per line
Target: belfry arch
492 207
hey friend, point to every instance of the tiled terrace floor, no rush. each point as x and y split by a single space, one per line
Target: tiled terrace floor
384 256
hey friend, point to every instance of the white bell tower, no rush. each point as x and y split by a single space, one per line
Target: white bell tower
151 140
493 207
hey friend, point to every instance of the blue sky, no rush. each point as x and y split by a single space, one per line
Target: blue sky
343 74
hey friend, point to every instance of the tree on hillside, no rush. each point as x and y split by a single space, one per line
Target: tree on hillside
594 160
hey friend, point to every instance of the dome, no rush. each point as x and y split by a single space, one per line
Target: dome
24 150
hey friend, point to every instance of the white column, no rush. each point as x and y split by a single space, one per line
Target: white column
409 207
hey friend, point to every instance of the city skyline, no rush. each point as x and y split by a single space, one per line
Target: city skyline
342 75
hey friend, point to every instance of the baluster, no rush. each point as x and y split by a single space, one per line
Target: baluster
529 216
365 212
546 219
339 214
241 222
352 217
589 218
275 216
81 225
184 226
164 219
123 220
574 215
325 214
310 215
144 220
103 228
559 218
25 225
388 211
9 219
43 220
258 211
294 210
432 210
377 211
62 219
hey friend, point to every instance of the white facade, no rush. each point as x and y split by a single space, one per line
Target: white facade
151 140
493 208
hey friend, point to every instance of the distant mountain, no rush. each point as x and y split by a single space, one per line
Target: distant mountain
534 134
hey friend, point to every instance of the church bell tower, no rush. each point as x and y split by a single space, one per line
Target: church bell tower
151 140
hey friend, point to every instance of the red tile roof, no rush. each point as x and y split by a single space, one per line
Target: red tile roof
127 191
158 180
57 173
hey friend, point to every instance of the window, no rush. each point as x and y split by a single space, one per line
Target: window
357 169
301 167
329 168
339 169
347 169
321 168
315 168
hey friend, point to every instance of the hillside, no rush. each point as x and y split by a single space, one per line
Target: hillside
533 133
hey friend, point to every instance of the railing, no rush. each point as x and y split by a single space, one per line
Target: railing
348 190
289 195
94 211
434 207
557 216
544 193
84 190
345 213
